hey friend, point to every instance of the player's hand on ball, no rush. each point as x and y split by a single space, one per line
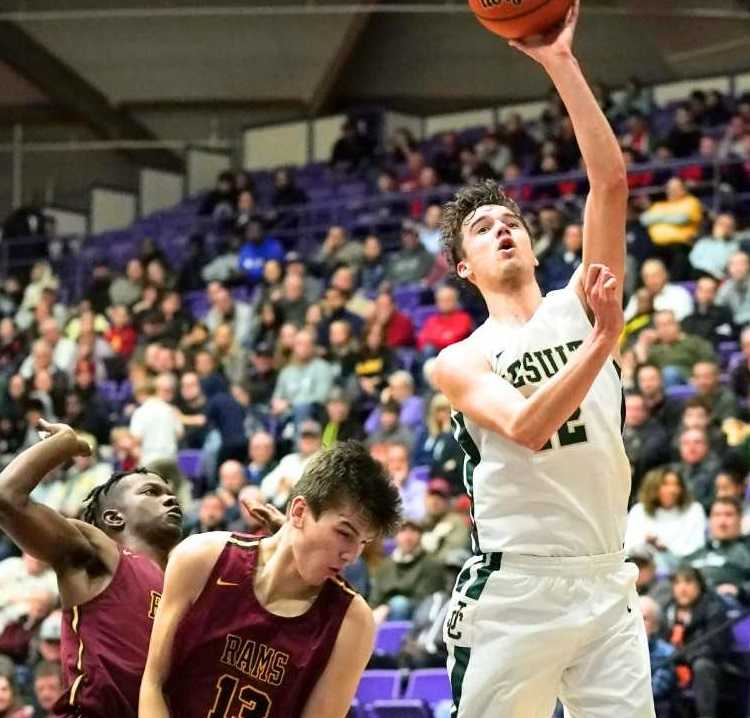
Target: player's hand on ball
46 429
558 41
603 298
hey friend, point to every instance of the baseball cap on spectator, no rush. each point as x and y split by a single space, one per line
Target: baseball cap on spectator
309 427
293 258
51 627
439 486
264 349
338 394
641 555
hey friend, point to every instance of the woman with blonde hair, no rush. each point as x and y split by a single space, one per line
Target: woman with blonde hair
666 517
438 448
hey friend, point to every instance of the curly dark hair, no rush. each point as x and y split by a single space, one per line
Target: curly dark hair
346 473
94 502
464 203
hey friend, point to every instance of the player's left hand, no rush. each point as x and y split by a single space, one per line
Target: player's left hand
79 446
265 514
557 42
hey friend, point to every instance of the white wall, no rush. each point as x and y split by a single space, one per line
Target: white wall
458 121
203 166
742 83
394 120
112 209
528 110
285 144
326 131
159 190
69 223
671 91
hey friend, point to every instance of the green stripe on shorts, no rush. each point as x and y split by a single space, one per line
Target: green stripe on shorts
461 657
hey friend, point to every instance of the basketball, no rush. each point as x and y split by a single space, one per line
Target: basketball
514 19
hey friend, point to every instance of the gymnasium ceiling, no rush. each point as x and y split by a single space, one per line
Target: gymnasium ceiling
112 64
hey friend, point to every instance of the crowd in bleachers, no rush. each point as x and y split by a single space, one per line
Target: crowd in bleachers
227 357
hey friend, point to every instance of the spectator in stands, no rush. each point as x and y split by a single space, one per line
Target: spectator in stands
673 224
155 424
47 688
697 627
710 254
127 290
338 249
220 202
384 426
256 250
705 379
397 328
247 212
492 150
411 489
232 480
665 295
666 518
226 309
648 582
232 358
261 450
412 263
234 416
343 349
666 410
733 293
429 231
562 261
673 351
405 577
266 325
211 517
192 405
438 448
401 388
334 307
724 560
340 425
262 375
293 305
684 137
521 143
637 137
663 678
696 414
373 264
121 335
709 320
698 465
350 151
731 483
551 227
286 194
449 325
41 360
444 530
739 379
11 705
304 383
277 484
646 440
225 265
295 264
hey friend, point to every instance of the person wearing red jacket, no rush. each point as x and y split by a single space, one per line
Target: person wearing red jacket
449 325
398 329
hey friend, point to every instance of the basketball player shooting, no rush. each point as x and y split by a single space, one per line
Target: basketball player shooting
547 605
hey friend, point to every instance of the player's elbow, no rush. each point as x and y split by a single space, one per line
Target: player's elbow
521 432
10 501
612 181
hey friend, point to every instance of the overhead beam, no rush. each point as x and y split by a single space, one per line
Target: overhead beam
75 96
324 93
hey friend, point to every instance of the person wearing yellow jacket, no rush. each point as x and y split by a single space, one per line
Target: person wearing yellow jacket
673 224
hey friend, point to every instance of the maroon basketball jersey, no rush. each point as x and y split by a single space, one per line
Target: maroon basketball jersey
233 658
105 642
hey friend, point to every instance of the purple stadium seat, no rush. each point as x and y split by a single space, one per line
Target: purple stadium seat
735 359
421 314
399 709
189 462
431 685
389 638
378 685
420 473
680 391
741 631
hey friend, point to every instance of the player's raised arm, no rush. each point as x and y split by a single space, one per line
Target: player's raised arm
185 577
606 206
36 528
334 691
468 381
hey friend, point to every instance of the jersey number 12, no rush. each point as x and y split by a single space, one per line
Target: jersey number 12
253 703
573 431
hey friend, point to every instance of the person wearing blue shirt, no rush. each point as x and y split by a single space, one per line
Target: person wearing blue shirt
663 678
256 251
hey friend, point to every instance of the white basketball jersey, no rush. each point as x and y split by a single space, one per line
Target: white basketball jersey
570 498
